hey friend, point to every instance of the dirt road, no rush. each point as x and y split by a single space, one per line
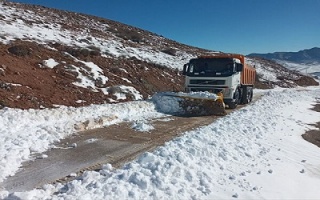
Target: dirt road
88 150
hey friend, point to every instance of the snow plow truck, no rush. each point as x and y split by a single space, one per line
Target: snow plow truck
226 75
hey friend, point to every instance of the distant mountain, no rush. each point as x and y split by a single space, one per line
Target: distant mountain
306 56
305 61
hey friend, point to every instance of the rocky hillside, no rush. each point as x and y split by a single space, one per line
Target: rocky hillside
305 61
50 58
271 74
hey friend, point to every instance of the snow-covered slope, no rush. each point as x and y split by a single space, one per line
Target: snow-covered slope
272 74
32 26
247 154
305 56
109 61
306 61
311 68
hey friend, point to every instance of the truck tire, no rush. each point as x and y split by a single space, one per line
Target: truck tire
250 95
247 95
236 97
244 99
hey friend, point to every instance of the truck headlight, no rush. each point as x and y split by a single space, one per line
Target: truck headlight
226 92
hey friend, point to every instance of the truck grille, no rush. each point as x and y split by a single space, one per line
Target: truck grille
207 82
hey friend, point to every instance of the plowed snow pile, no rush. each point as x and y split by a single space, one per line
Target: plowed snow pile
255 152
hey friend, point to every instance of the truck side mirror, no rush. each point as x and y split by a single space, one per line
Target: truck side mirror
185 69
239 67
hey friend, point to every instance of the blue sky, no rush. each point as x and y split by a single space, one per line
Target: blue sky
234 26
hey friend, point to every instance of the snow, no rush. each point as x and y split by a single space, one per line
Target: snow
14 29
310 68
304 68
256 152
50 63
128 89
169 102
203 95
142 126
266 72
25 132
89 75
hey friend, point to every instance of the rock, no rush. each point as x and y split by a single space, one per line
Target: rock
20 50
235 195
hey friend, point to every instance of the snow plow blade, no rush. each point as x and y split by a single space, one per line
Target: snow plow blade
194 104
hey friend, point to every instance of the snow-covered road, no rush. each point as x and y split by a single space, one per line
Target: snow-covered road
255 152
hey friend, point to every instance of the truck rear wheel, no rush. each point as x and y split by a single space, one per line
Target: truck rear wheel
250 95
246 95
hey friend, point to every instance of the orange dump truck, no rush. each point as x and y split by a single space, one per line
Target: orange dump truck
226 73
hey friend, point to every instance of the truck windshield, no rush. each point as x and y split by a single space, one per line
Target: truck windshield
211 67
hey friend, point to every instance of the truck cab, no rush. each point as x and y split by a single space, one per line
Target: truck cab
226 73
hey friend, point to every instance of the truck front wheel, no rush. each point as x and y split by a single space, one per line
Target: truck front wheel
236 97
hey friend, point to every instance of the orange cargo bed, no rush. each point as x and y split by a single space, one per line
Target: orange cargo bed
248 75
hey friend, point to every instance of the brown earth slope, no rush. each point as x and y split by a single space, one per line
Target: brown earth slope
24 84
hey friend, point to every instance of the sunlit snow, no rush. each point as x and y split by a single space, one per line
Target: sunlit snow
50 63
255 152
